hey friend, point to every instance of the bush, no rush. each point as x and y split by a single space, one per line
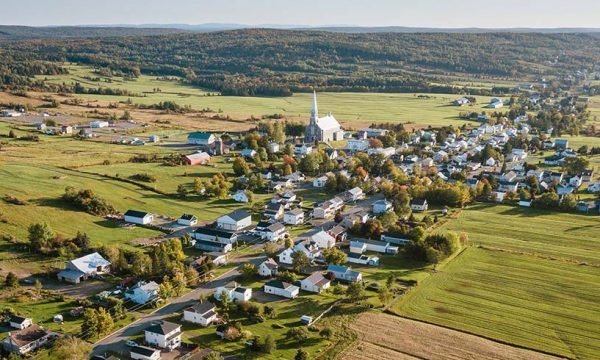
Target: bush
326 333
87 201
300 334
143 177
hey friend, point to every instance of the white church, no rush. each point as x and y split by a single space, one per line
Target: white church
322 129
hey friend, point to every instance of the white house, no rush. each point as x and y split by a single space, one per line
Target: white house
381 247
203 313
575 181
285 257
419 205
140 352
268 268
248 153
344 273
362 259
275 232
320 181
85 267
240 196
293 217
495 103
138 217
235 292
163 334
354 194
235 221
316 283
310 249
274 211
302 149
19 322
382 206
143 292
491 162
322 239
357 145
280 288
274 147
187 220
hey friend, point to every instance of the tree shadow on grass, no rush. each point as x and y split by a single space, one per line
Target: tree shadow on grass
57 203
293 344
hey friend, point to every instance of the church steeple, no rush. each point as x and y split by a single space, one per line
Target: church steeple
314 114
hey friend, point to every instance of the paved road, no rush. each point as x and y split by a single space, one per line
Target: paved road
116 341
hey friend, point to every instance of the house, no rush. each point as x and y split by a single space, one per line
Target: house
461 102
235 292
214 240
548 144
218 258
353 194
338 232
23 341
585 206
381 247
419 205
240 196
200 158
275 232
274 147
316 283
525 202
274 211
143 292
163 334
371 132
235 221
99 124
154 138
322 239
310 249
594 188
495 103
19 322
320 181
85 267
187 220
285 257
357 145
268 268
248 153
587 175
344 273
138 217
357 247
561 144
66 129
382 206
295 177
203 313
201 138
328 208
491 162
520 154
576 181
362 259
281 288
140 352
293 217
563 189
393 238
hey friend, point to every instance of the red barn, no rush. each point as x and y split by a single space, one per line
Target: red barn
196 159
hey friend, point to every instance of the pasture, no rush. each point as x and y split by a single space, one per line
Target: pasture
351 109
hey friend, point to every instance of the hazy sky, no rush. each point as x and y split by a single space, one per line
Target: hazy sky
425 13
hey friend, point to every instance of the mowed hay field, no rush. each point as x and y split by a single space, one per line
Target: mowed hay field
547 305
351 109
384 337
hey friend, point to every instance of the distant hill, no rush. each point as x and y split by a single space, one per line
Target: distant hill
29 32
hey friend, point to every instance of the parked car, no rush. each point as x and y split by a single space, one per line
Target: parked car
131 343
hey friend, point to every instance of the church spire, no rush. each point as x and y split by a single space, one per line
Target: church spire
315 111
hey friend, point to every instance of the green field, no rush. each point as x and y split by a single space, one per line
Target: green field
432 109
529 278
541 304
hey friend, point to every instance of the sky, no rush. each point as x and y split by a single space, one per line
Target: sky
413 13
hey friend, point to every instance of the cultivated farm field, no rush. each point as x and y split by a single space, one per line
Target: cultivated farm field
385 337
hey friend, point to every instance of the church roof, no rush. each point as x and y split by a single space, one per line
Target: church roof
328 123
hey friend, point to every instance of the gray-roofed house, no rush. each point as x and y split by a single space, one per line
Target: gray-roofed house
281 288
316 283
235 221
140 352
203 313
293 217
85 267
143 292
187 220
344 273
268 268
163 334
19 322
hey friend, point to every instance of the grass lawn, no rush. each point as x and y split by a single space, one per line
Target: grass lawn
538 303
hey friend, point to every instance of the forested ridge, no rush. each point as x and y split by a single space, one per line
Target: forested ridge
279 62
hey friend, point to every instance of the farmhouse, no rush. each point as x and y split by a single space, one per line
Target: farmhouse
280 288
143 292
240 196
84 267
235 221
209 239
187 220
200 158
382 206
274 211
163 334
138 217
23 341
322 239
362 259
203 313
99 124
140 352
316 283
201 138
320 181
344 273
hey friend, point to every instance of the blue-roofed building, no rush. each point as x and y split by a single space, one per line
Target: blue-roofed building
344 273
85 267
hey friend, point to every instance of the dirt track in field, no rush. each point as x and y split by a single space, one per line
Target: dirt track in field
388 337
